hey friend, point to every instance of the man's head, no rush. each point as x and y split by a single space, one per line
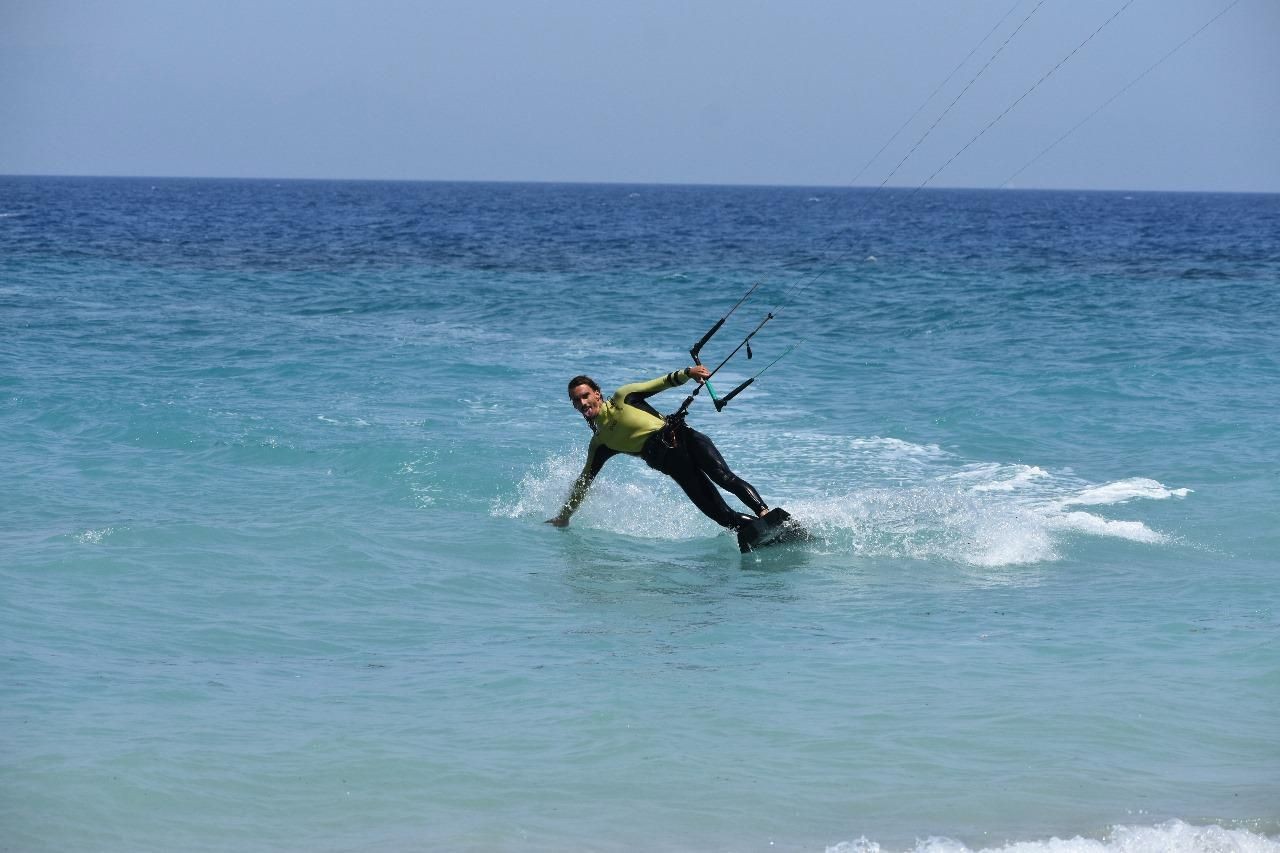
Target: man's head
585 396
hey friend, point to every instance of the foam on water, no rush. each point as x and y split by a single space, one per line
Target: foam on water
1173 836
1123 491
419 474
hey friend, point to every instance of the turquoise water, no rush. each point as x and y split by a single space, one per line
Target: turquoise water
278 456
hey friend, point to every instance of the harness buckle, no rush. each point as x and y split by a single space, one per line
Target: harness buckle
670 434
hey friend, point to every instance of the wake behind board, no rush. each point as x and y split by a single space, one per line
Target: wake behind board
773 528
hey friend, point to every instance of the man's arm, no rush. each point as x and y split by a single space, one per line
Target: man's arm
641 390
597 455
576 496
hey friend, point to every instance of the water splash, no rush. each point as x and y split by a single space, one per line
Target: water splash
630 501
910 501
95 536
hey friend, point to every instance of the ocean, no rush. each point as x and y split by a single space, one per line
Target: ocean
274 572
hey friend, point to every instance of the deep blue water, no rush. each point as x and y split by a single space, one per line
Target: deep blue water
278 454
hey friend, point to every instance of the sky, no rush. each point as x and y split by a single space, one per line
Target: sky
801 92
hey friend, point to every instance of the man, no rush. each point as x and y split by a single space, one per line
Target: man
627 424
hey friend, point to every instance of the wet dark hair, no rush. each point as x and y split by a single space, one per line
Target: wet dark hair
583 380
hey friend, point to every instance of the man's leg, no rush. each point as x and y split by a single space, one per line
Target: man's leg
704 454
705 496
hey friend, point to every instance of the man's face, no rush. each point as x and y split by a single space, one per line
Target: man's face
585 399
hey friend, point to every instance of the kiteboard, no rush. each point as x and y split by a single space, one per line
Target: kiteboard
775 527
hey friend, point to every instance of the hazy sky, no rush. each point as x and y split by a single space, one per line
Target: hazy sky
699 91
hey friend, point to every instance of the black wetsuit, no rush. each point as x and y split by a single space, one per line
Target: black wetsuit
695 464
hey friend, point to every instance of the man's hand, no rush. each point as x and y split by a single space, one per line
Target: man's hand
699 372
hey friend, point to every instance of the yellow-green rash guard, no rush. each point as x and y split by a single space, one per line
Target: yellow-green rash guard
624 424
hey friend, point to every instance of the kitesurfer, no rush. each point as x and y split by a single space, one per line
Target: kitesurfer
626 423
